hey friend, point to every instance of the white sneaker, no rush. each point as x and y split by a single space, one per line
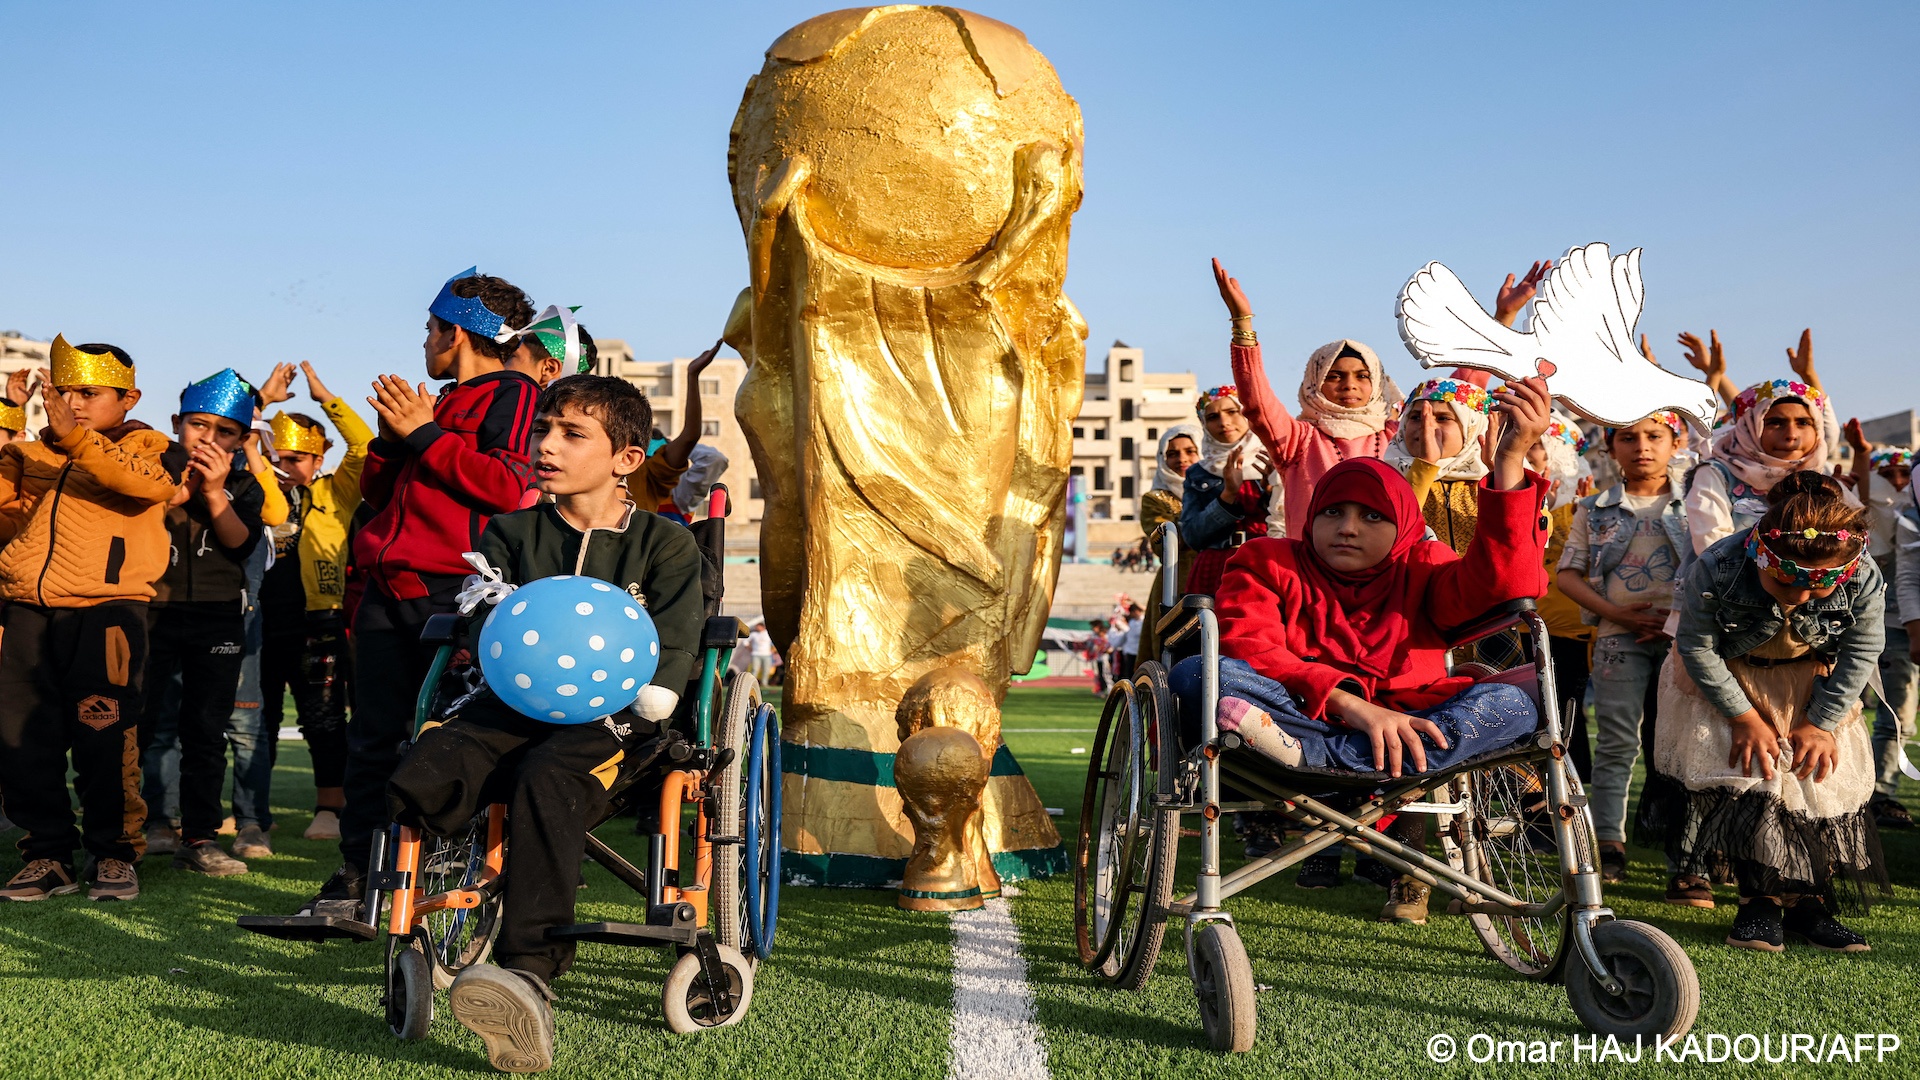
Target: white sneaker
325 826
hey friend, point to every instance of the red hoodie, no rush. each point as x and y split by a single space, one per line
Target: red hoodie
433 493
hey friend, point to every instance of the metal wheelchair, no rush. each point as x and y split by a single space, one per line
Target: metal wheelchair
1519 858
439 899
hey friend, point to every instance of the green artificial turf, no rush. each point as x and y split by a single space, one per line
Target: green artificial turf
165 986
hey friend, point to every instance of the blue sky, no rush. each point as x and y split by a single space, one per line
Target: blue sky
213 185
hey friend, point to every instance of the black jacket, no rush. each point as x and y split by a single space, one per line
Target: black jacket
199 569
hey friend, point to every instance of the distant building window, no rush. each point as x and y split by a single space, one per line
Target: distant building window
1100 433
709 428
1126 448
1126 370
1153 434
1126 487
709 387
1077 470
1100 478
1126 410
1079 433
753 489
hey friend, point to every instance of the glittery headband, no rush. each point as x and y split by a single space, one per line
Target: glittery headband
1457 391
292 435
1891 457
559 335
13 417
1777 390
1208 397
225 394
71 367
469 312
1791 573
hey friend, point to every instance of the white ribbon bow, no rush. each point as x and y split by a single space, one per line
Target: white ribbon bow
486 585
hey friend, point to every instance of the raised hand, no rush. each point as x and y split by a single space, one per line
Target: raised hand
60 418
402 409
279 385
17 390
699 363
1230 475
1801 360
316 389
1646 350
1515 295
1856 438
1236 301
1527 407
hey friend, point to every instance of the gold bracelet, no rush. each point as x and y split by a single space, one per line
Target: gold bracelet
1245 337
1237 318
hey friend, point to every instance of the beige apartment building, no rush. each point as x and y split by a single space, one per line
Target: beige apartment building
18 352
1115 438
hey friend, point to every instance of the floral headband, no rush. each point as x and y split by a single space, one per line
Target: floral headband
1777 390
1667 417
1891 457
1458 392
1569 434
1208 397
1791 573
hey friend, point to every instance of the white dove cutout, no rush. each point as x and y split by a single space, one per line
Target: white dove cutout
1581 339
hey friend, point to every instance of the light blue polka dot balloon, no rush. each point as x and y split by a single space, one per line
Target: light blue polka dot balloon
568 650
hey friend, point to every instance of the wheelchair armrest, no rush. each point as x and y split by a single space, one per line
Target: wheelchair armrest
441 629
722 632
1494 621
1183 618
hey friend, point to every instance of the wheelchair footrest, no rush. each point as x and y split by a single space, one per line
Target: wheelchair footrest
619 933
309 927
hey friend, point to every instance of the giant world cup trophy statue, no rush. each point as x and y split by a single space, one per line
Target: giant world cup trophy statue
905 177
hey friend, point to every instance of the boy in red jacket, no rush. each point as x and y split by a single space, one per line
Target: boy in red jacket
436 472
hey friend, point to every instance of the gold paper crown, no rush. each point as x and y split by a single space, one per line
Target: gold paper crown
291 435
71 367
13 417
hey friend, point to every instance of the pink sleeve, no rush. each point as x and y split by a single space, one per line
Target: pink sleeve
1283 436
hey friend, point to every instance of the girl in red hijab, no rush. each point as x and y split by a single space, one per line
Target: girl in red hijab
1333 652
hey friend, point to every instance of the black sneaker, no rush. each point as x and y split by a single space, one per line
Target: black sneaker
1889 814
1811 921
40 879
341 896
512 1013
1758 926
1613 865
1319 872
205 857
111 879
1368 868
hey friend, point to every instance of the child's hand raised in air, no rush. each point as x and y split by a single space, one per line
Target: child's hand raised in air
279 385
60 417
1525 409
1236 301
699 363
1754 739
17 391
1395 735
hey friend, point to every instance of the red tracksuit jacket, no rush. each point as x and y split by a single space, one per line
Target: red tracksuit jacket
433 494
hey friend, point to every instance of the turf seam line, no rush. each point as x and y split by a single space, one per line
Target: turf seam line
994 1032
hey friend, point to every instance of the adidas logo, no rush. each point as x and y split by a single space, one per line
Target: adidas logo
100 712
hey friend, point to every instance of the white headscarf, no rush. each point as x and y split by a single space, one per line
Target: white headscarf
1565 466
1465 465
1214 455
1736 444
1339 421
1165 479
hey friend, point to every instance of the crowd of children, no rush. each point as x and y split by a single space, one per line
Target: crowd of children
1726 614
163 597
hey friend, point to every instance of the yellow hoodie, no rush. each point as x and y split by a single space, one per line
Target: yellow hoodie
334 498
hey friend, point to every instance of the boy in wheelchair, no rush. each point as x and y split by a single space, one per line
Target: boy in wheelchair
590 433
1333 648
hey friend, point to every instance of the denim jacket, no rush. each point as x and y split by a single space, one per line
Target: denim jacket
1206 523
1725 612
1905 607
1748 507
1610 529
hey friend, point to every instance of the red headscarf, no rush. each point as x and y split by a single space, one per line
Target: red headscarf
1360 615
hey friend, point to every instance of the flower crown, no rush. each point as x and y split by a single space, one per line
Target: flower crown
1790 573
1568 433
1776 390
1208 397
1891 456
1666 416
1457 391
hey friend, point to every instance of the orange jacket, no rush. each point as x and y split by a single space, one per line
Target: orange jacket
84 517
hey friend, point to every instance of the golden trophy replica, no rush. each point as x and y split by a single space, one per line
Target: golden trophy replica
945 723
905 177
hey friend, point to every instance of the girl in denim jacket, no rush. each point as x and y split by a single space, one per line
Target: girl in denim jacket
1779 631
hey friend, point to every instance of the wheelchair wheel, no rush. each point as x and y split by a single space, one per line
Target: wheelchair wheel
1662 991
760 865
457 938
732 731
688 1001
1116 926
1223 981
1501 838
409 996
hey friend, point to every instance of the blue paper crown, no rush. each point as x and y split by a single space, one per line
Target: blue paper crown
225 394
466 311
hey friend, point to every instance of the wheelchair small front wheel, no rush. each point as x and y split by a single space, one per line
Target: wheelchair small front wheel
1223 981
409 997
689 1002
1660 990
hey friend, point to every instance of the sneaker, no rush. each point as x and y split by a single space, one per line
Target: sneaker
40 879
1812 922
111 879
510 1011
1613 865
162 839
205 857
1406 901
1758 926
1689 890
252 843
1319 872
1368 868
325 826
341 896
1889 814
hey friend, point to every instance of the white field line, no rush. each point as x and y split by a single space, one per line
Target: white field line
994 1034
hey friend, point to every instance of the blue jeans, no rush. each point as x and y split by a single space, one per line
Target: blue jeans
1479 719
1625 681
1893 718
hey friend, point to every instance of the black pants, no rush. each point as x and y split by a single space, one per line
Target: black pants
389 664
70 683
313 664
1570 671
559 780
205 644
